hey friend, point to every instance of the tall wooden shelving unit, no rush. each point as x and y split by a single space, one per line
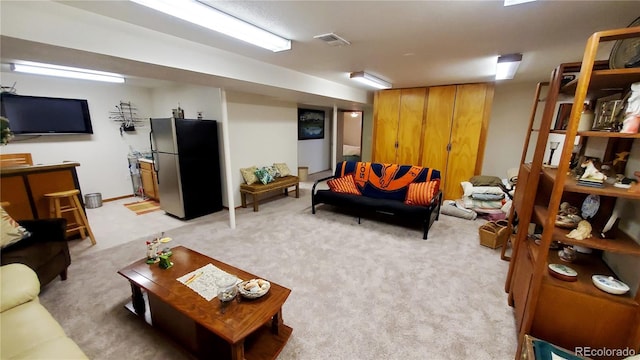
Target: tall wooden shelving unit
572 314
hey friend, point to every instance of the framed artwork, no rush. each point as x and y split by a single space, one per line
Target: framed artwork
310 124
562 119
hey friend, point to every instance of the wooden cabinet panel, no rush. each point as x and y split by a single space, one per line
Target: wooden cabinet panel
574 319
468 125
149 180
410 126
14 191
49 182
522 280
385 115
437 130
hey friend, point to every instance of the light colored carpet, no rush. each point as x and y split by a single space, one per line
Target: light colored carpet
369 291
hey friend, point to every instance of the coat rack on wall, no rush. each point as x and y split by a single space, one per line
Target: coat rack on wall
127 116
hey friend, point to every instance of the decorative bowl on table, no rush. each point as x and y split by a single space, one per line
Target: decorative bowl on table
254 288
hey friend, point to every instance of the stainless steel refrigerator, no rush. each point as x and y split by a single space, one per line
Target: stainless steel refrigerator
187 162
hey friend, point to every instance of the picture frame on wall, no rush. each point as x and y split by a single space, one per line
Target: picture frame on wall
310 124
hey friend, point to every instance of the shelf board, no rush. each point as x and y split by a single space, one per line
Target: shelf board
608 134
586 265
608 190
619 243
606 79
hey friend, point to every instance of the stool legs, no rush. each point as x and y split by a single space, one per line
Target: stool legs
56 209
84 220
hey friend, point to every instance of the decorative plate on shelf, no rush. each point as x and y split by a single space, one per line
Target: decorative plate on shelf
609 284
254 288
563 272
590 206
626 52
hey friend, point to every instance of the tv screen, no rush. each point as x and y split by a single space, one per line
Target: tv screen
45 115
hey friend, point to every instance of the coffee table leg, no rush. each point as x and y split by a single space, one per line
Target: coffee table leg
276 322
137 299
237 350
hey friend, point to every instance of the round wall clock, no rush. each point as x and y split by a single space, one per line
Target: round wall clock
626 53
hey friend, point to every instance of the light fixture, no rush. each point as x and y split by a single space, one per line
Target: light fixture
507 66
516 2
354 114
66 71
213 19
370 80
553 146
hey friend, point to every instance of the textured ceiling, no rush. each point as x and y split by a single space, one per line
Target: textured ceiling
409 43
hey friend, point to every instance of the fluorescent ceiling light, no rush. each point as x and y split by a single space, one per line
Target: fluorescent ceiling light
66 71
213 19
370 80
507 66
516 2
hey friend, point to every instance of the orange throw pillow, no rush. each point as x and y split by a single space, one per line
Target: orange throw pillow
345 184
422 193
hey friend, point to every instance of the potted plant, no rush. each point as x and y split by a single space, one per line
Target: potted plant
5 131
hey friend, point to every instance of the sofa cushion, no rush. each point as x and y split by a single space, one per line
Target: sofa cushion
357 203
344 184
58 348
385 181
283 169
264 176
18 285
422 193
10 231
25 327
249 175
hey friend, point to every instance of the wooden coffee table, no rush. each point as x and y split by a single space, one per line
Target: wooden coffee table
246 329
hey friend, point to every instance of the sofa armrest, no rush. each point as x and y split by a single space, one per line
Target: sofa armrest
18 285
44 230
313 189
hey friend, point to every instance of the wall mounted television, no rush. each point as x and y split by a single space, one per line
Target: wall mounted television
38 115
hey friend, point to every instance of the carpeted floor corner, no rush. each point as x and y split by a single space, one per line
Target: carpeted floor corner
373 290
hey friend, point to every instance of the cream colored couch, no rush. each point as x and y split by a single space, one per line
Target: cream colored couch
27 330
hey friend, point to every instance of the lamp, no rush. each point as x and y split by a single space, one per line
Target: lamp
66 71
507 66
370 80
201 14
553 145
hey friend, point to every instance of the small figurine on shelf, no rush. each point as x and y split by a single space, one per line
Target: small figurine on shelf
583 231
631 122
591 172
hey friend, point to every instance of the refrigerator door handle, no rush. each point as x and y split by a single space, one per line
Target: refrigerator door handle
154 156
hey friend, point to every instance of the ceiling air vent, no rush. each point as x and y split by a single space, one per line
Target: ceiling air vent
332 39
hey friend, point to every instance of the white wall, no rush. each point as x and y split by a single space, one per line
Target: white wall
507 127
102 155
316 153
261 132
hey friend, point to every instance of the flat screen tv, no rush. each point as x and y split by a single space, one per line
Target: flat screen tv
37 115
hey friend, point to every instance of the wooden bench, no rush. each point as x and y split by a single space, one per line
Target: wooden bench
281 183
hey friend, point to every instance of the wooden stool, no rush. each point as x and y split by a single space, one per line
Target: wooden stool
56 210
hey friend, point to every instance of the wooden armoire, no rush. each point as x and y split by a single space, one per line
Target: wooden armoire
441 127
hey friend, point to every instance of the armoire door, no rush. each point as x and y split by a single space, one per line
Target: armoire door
385 128
398 117
412 103
437 129
468 136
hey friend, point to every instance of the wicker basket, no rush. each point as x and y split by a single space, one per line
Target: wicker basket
494 233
